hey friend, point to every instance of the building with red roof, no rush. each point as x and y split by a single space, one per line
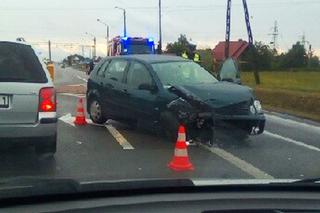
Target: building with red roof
236 49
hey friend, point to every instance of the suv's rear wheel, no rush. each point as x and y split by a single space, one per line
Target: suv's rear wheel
95 111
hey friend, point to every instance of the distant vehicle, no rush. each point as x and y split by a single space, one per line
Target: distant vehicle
27 99
164 91
131 45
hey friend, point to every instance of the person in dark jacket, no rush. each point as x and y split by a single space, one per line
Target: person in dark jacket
91 66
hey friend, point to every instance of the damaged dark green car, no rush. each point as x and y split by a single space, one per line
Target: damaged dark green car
160 92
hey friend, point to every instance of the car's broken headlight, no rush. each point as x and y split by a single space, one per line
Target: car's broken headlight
257 106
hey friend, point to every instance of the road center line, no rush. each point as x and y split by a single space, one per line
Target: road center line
119 137
298 143
241 164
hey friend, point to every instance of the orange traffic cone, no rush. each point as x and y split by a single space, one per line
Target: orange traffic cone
80 117
180 161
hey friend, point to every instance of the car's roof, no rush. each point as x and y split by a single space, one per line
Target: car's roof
14 43
152 58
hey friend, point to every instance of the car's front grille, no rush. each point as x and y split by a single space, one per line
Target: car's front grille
242 108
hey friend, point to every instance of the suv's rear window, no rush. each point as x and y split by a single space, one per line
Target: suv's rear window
19 63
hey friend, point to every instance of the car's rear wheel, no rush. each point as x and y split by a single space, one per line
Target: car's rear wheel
47 146
95 112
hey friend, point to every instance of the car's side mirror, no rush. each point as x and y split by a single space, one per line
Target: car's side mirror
148 87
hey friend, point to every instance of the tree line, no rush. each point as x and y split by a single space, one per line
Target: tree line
260 56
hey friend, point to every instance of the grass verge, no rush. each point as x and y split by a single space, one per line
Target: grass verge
295 93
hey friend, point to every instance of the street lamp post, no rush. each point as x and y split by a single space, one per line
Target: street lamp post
105 24
160 30
124 21
94 54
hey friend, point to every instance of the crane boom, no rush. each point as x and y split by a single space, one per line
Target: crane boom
247 18
228 26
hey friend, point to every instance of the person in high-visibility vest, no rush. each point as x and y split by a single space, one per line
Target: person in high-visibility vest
196 58
185 55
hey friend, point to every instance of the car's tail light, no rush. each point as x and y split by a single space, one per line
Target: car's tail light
47 102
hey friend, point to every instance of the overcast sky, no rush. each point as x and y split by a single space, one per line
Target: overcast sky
203 21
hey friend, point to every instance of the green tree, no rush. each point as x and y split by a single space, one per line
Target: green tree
260 57
178 47
295 58
313 62
206 59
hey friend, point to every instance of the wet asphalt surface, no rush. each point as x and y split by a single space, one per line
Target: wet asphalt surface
289 149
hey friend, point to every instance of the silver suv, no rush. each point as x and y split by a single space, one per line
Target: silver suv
27 99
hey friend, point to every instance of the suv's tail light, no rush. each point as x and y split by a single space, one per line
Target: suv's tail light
47 102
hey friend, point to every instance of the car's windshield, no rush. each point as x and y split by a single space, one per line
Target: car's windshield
132 90
182 73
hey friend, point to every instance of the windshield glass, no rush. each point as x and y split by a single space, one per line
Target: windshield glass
182 73
19 63
125 90
139 49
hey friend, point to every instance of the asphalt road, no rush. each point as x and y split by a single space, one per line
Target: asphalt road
289 148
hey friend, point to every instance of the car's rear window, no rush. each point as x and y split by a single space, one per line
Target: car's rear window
19 63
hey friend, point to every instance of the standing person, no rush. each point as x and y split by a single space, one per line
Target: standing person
185 55
196 58
91 66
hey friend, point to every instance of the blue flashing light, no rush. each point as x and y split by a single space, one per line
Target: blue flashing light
125 50
125 38
150 40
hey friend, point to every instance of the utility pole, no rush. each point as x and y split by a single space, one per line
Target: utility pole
108 33
94 52
82 50
274 35
160 30
303 40
94 48
49 46
124 21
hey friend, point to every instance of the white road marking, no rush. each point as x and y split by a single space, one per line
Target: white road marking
113 131
83 79
120 139
290 122
68 119
298 143
241 164
73 95
89 121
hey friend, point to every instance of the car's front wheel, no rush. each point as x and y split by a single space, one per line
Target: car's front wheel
170 125
95 111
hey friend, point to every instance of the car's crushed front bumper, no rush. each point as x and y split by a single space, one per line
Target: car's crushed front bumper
253 124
